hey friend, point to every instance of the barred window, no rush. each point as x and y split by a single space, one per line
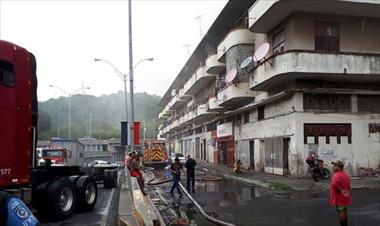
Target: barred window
326 36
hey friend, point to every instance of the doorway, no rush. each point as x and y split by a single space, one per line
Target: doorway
197 147
252 154
285 160
204 151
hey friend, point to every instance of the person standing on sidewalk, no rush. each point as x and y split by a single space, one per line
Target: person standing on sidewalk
190 173
176 169
340 192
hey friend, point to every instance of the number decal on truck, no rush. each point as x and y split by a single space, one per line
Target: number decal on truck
5 172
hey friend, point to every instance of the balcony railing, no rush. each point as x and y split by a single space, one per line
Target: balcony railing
264 15
213 105
198 81
305 64
213 66
183 96
235 95
176 102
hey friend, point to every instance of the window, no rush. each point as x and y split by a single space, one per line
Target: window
246 116
316 130
7 77
326 36
366 103
279 42
327 102
260 113
238 118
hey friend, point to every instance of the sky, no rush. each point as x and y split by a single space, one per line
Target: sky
66 36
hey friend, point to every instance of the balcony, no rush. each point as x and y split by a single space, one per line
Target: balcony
199 114
176 102
213 105
235 37
266 14
175 124
191 115
235 95
198 81
213 66
300 64
165 113
182 95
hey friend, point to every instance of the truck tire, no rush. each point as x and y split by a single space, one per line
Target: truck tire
39 197
114 178
61 198
74 179
87 193
110 178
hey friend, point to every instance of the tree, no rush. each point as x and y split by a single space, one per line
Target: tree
44 121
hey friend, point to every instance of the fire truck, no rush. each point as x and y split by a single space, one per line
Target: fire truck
155 152
54 190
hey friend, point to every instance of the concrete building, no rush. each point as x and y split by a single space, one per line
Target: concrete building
316 90
107 150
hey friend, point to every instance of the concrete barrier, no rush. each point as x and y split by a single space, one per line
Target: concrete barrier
126 214
134 207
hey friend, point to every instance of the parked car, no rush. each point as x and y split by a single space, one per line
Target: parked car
119 165
182 158
99 163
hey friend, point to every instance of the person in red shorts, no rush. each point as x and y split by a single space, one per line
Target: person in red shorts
340 192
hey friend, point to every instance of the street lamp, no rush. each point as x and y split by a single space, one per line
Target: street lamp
69 95
124 77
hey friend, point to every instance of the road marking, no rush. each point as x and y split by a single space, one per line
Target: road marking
105 215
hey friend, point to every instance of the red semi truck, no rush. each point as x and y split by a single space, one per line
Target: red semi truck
56 154
54 190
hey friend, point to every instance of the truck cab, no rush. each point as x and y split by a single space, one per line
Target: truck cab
56 154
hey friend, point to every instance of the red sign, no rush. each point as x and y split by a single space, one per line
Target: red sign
136 133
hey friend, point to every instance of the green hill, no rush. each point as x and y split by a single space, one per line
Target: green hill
92 116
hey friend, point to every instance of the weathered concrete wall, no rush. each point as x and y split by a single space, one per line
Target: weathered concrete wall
374 151
280 124
361 153
300 32
189 148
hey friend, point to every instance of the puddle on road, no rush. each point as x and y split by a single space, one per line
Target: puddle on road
218 199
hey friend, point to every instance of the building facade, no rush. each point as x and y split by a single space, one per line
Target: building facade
311 87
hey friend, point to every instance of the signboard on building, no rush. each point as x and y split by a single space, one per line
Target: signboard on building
224 130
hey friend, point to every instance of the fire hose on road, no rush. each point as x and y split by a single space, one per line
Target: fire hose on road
204 214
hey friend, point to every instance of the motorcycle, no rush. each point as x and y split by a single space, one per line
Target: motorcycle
318 168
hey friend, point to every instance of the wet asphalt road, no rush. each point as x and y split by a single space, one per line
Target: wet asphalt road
247 205
104 212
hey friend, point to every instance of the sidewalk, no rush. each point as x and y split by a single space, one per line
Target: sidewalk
279 182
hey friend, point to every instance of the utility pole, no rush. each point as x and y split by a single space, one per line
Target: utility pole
58 128
187 49
90 125
200 24
131 107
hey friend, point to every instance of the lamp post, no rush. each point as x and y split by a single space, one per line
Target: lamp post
124 78
69 96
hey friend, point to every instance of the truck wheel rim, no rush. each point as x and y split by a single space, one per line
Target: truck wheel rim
90 193
66 199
